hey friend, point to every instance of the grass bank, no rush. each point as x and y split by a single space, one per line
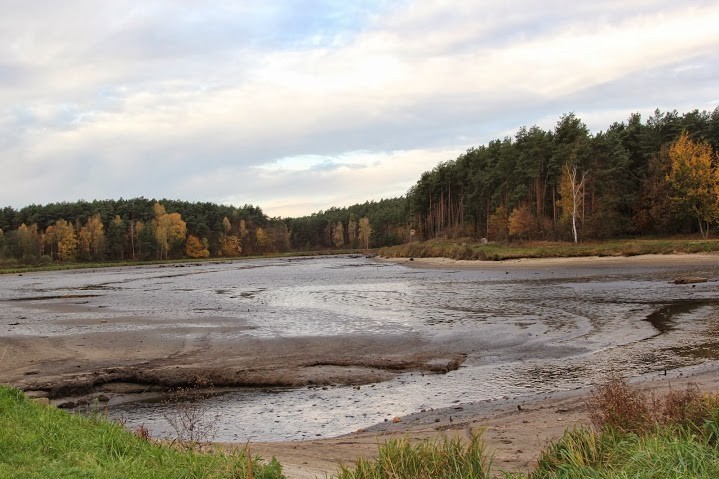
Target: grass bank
472 250
633 436
40 441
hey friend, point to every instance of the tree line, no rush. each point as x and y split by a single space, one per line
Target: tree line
143 229
565 183
653 177
136 229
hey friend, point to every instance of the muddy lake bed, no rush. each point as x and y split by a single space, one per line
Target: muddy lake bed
323 346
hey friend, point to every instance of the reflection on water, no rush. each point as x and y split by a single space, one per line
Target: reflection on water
527 331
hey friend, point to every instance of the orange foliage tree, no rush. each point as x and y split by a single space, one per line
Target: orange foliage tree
521 222
196 248
694 179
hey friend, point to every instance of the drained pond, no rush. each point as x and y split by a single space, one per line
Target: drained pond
518 331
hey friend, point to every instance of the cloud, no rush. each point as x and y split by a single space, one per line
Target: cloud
174 98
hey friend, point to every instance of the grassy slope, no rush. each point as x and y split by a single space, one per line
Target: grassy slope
468 250
38 441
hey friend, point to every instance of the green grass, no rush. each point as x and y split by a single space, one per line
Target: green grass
668 452
471 250
39 441
447 459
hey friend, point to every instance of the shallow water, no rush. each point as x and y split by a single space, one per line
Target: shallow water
526 331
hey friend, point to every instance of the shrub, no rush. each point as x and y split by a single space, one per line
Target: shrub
617 406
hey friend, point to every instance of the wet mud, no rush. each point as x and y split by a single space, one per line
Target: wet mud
294 349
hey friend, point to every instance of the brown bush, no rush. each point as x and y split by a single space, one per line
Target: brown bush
690 407
616 405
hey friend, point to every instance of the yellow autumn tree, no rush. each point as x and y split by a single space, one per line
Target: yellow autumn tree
694 180
170 231
66 240
230 246
365 231
196 248
91 239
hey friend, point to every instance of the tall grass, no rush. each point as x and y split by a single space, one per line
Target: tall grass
668 452
447 459
39 441
639 437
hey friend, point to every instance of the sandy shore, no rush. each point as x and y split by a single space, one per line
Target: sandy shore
515 431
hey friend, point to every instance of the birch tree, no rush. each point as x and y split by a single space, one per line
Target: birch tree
572 195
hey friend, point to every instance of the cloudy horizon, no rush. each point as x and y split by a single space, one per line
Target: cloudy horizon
298 106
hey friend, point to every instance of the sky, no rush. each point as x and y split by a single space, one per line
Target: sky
300 105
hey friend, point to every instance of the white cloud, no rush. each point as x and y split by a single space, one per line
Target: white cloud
176 99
